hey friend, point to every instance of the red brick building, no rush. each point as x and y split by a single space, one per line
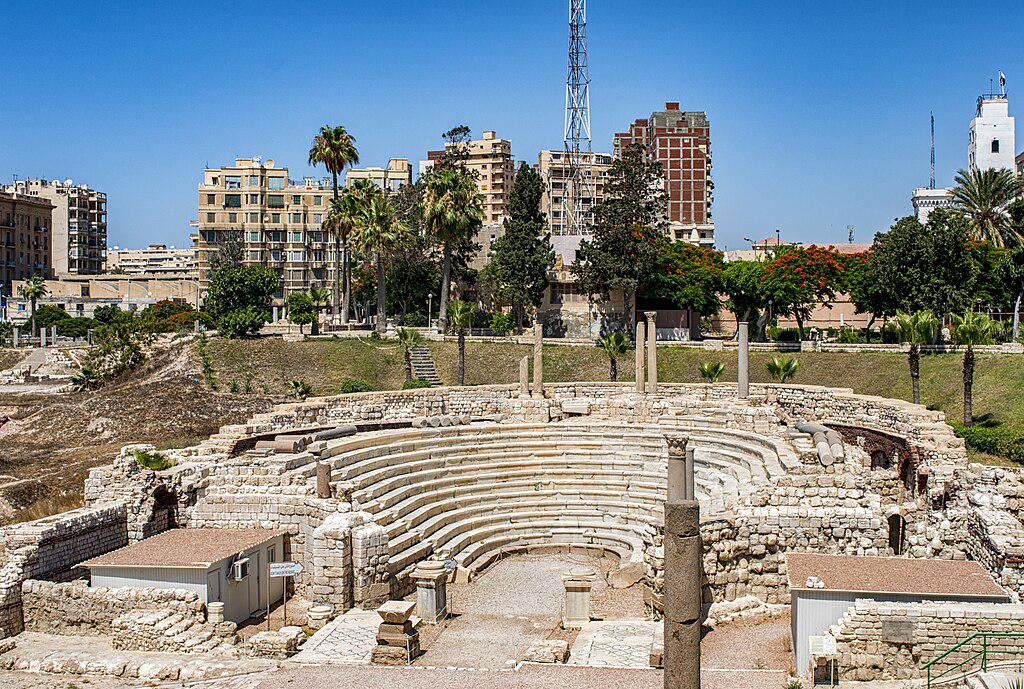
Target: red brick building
681 142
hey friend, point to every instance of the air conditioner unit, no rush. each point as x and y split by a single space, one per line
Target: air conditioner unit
240 569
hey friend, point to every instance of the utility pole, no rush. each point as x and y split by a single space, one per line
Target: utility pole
576 185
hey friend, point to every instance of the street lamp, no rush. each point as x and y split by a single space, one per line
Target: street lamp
430 308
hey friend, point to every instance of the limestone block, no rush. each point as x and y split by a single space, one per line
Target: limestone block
546 651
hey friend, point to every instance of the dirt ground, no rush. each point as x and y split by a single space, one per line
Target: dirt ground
49 441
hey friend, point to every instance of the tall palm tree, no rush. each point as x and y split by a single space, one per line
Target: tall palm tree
613 344
916 329
320 296
379 232
461 315
969 330
409 339
335 149
452 212
33 290
984 197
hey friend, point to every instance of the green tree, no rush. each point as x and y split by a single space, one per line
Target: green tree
628 230
689 276
409 340
916 329
378 232
300 309
970 330
984 198
34 289
742 283
800 278
320 296
452 213
335 149
239 298
614 345
461 315
867 293
521 258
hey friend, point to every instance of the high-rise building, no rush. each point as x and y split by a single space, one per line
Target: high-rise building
155 259
681 141
79 230
1019 160
391 178
553 166
991 144
276 220
25 236
491 159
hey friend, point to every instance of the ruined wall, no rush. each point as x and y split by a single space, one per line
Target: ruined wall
892 641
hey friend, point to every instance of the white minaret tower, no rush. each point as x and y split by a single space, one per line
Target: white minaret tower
992 141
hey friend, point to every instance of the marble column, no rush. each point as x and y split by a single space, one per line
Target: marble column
743 361
538 359
431 579
577 581
274 320
641 333
16 331
652 351
524 375
53 334
42 337
683 575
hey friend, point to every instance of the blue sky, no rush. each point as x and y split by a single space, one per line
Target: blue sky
819 111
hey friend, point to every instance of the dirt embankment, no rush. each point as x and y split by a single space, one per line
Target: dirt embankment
49 441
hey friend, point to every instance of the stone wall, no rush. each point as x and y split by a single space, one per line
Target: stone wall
49 548
891 641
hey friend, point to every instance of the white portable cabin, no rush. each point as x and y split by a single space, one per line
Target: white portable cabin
823 587
230 566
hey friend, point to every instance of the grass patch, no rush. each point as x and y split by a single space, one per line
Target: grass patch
153 460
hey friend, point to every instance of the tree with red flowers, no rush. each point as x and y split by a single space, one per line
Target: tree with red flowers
801 278
689 276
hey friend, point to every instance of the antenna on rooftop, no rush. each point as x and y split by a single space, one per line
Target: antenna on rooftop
931 184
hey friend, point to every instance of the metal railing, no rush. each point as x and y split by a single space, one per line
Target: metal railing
975 654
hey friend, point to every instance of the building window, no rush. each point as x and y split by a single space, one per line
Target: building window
232 182
275 201
995 145
211 217
254 217
318 218
232 200
318 200
275 183
254 198
296 237
297 200
254 180
254 236
232 217
295 217
211 199
275 217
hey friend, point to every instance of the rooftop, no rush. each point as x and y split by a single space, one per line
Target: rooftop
892 575
184 548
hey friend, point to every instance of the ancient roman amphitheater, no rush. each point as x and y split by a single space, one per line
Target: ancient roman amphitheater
466 476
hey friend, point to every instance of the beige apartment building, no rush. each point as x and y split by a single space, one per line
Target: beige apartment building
392 178
553 168
278 222
491 159
79 230
81 295
155 259
25 236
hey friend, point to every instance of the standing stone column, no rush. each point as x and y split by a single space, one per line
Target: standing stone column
431 579
577 581
743 361
538 359
275 315
16 331
323 480
524 375
42 337
53 334
652 351
683 575
641 336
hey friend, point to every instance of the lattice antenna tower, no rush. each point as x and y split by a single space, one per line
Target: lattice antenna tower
931 184
577 185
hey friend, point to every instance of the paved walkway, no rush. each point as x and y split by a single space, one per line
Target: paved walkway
346 640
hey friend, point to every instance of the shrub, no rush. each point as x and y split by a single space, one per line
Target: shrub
350 385
849 336
242 322
782 368
502 324
711 371
300 389
206 362
414 320
783 334
481 319
75 327
414 383
993 441
153 460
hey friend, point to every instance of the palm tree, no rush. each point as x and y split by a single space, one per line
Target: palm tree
613 344
33 290
461 315
711 371
782 368
334 148
969 330
378 232
409 339
319 296
452 212
984 197
916 329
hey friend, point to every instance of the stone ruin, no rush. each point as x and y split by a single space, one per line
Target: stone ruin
369 486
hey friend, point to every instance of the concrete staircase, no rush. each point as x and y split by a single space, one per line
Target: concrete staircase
423 366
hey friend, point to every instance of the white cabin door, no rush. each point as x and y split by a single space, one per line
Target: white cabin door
213 587
256 575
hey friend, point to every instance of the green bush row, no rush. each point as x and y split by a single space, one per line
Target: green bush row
993 441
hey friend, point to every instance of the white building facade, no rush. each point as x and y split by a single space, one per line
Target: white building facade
926 199
992 142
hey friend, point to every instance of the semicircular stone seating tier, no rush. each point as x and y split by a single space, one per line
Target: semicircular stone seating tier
469 493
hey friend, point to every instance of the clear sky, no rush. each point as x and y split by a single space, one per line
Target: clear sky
819 111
